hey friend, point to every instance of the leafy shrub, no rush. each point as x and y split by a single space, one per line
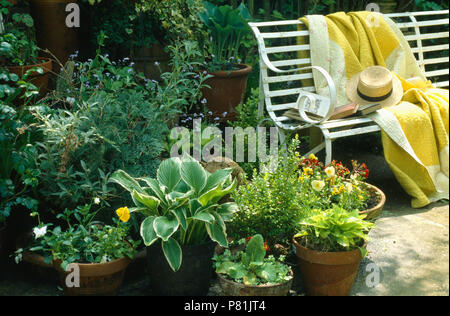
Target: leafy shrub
18 172
17 42
177 20
251 266
268 204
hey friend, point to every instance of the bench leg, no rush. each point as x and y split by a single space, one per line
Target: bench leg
328 151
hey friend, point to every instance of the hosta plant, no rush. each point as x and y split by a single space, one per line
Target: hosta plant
181 205
251 266
334 230
227 27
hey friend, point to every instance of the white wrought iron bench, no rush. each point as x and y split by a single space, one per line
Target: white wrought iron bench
280 89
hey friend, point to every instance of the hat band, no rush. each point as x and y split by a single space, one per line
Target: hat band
375 99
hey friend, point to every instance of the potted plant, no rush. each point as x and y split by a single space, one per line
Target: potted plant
250 273
269 204
322 186
100 252
329 246
159 24
227 27
182 216
19 52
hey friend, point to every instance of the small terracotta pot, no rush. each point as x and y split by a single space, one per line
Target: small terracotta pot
39 80
231 288
95 278
227 91
375 211
328 273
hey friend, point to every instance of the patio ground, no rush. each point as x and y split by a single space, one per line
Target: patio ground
409 247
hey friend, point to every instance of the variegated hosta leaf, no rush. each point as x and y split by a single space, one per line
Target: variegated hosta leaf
172 251
165 226
168 173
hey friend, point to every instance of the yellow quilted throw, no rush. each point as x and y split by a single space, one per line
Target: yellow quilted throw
414 132
415 141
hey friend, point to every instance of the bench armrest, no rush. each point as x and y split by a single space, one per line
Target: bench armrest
313 98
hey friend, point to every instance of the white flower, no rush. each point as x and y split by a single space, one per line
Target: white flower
39 232
96 200
330 171
105 258
349 187
318 184
70 100
354 176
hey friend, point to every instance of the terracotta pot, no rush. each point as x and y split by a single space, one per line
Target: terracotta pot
95 278
39 80
328 273
227 91
146 57
51 30
374 212
231 288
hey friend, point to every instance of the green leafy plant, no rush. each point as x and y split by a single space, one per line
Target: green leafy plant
252 267
227 27
334 229
321 186
18 172
17 43
82 242
268 205
174 20
181 205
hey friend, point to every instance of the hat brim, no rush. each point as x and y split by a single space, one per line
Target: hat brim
351 90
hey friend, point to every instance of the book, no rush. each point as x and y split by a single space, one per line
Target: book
368 108
340 112
344 111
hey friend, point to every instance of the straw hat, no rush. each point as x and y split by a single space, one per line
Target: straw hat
375 84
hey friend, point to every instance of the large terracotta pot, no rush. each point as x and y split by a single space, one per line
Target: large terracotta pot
227 91
39 80
231 288
373 212
51 30
327 273
95 278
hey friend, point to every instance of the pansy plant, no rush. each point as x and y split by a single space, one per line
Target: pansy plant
182 205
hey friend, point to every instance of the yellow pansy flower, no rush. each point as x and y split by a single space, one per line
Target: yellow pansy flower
330 171
308 171
318 185
123 213
349 187
313 157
